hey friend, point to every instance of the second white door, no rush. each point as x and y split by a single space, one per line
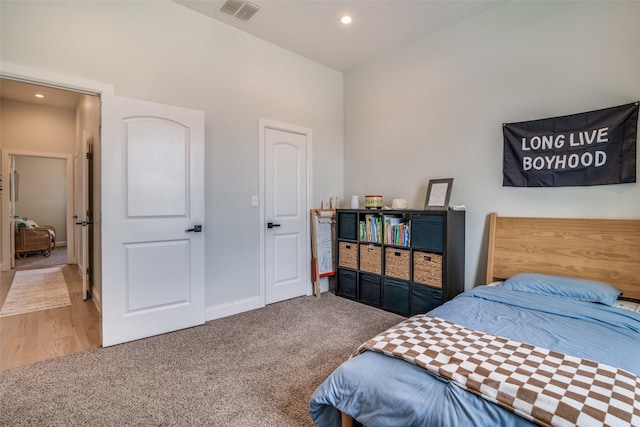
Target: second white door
286 210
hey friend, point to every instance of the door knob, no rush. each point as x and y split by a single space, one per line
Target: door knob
271 225
195 229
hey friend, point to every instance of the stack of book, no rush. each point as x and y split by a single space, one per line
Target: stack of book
397 230
371 229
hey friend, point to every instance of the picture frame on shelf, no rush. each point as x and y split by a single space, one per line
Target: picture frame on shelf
438 193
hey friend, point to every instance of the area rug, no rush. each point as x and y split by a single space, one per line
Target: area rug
35 290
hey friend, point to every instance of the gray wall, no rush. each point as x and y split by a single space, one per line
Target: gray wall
163 52
435 108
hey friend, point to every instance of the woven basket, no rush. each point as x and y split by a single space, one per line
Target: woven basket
397 263
371 259
348 255
427 268
32 240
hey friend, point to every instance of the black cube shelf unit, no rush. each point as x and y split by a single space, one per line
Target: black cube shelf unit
403 261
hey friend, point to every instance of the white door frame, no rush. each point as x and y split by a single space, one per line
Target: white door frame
60 81
262 125
5 223
46 78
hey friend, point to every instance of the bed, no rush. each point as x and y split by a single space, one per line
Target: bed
564 288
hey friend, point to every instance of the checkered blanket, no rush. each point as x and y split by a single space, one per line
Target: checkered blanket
543 386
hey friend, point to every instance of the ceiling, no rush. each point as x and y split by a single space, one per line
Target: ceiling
311 28
26 92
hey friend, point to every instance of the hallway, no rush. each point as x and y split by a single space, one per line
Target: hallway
32 337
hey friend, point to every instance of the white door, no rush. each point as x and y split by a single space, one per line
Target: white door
12 209
83 221
152 218
286 214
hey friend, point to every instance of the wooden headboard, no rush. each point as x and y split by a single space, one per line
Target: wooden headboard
607 250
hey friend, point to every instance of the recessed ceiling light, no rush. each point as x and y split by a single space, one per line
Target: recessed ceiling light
346 19
39 95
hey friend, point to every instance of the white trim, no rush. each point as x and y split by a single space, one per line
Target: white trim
97 301
43 77
264 124
231 308
260 224
96 297
5 223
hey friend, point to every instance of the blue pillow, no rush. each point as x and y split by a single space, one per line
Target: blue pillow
564 287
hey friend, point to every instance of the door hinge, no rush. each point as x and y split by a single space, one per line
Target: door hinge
89 156
87 272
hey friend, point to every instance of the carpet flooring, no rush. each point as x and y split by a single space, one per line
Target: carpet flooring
257 368
36 260
35 290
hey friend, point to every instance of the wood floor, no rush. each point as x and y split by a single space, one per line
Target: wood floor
32 337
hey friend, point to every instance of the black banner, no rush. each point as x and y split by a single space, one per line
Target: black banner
593 148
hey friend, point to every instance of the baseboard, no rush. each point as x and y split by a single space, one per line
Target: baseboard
95 297
235 307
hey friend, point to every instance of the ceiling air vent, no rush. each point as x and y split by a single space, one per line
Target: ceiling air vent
240 9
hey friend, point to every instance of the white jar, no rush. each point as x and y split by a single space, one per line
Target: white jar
355 204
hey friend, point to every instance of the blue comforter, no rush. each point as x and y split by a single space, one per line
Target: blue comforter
379 390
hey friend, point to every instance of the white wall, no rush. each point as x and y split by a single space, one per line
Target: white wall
434 109
37 128
163 52
42 193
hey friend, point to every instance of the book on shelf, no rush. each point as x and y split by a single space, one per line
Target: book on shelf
370 230
397 230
